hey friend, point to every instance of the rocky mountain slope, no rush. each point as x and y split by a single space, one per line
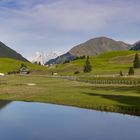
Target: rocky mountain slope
91 48
98 45
9 53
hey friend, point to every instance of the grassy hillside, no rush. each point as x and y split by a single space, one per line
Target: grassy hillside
7 64
106 63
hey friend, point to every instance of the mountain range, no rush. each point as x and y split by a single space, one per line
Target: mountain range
91 47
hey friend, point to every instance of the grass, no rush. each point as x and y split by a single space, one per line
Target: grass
65 92
106 63
7 64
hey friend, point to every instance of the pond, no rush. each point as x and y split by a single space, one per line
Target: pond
40 121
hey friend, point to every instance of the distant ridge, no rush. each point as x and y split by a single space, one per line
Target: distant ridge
136 46
92 47
7 52
61 59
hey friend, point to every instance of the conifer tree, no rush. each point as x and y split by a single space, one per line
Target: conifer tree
87 67
136 62
39 63
23 65
131 71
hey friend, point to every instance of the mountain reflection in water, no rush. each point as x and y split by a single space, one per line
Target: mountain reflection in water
4 103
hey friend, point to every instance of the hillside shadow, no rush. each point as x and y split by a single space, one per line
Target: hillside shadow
127 100
128 104
118 89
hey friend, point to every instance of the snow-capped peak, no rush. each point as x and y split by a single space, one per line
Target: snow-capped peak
42 58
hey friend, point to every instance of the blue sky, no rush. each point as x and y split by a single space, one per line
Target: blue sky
46 25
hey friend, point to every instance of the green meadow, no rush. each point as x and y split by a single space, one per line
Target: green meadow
124 99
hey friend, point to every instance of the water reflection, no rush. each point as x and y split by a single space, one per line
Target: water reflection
4 103
38 121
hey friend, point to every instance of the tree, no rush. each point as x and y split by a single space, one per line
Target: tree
87 67
39 63
35 62
23 65
131 71
66 61
136 62
121 74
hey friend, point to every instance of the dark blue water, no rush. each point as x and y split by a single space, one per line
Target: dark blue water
38 121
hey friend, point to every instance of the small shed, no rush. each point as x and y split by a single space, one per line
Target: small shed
24 70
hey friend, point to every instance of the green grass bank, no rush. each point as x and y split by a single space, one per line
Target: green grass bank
123 99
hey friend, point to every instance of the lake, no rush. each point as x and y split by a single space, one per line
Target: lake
40 121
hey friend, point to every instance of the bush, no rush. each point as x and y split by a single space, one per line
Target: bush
12 72
76 72
121 74
67 61
80 57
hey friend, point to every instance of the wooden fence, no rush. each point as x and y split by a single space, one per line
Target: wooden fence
112 82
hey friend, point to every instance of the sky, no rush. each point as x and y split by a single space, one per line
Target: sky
28 26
